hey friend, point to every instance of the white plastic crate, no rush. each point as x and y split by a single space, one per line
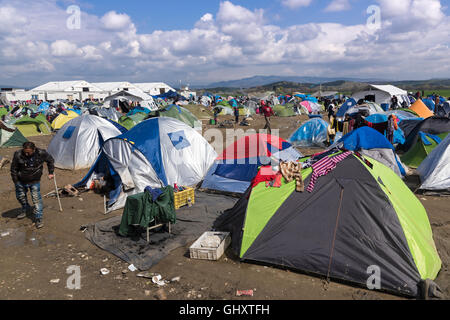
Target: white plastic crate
197 251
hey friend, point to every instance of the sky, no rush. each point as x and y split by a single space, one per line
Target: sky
203 41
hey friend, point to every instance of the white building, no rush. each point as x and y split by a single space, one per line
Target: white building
154 88
67 90
16 95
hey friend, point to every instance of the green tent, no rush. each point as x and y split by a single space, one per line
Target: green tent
414 157
3 112
33 126
10 137
284 111
130 121
358 217
199 111
179 113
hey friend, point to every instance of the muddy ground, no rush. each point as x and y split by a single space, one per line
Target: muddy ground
31 259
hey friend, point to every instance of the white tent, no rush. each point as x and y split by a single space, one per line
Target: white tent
383 94
133 95
155 153
78 143
434 171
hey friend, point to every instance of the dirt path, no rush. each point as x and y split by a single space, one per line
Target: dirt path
30 259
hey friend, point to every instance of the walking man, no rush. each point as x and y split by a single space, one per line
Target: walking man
26 172
268 112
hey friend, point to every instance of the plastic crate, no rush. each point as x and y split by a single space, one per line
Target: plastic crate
182 198
206 253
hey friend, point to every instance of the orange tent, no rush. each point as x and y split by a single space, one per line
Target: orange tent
421 109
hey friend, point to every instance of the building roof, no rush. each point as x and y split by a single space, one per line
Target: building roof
114 86
392 90
148 86
60 86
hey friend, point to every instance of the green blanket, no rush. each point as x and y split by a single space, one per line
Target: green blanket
140 209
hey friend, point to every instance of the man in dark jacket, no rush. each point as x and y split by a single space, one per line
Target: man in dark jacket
26 172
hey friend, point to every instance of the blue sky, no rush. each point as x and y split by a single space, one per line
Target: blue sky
204 41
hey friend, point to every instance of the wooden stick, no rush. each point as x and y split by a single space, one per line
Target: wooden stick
57 193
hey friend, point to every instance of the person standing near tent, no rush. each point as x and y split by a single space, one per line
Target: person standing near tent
236 114
26 172
394 102
268 112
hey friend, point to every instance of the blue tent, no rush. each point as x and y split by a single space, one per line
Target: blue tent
345 106
138 109
312 133
366 138
399 136
43 107
429 103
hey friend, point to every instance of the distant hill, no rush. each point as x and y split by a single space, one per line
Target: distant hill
267 80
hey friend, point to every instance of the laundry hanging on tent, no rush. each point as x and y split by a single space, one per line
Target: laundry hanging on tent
325 166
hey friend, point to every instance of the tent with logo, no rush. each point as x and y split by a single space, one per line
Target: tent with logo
425 144
284 111
359 215
33 126
432 126
312 133
157 152
235 168
78 143
434 171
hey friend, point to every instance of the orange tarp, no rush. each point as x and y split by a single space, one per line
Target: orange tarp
421 109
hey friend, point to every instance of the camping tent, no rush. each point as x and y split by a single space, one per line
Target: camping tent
443 110
382 94
237 166
373 144
182 114
157 152
33 126
421 109
132 95
433 125
425 144
10 136
356 217
62 119
435 169
284 110
78 143
312 133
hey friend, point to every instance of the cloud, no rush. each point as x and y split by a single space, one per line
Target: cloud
338 5
294 4
233 42
116 21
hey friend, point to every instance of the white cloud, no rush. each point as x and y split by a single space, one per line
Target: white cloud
64 48
294 4
116 21
338 5
233 42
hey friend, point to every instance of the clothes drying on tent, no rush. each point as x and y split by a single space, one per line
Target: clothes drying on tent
434 171
356 217
373 144
156 153
234 170
312 133
77 145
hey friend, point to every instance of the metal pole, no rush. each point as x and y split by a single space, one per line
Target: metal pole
57 193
